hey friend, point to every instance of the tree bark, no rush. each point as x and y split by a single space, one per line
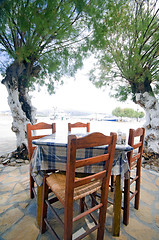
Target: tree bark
20 105
151 107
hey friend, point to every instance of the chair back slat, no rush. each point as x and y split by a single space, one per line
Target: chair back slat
136 157
89 179
37 137
137 145
93 140
139 132
92 160
42 125
79 125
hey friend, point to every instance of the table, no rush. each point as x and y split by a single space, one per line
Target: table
51 153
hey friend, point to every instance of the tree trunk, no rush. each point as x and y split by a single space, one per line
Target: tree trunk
151 107
20 105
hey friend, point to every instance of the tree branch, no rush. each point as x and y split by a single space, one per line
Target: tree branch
20 33
3 64
157 71
152 57
14 39
10 46
66 45
150 23
27 3
71 39
4 43
150 50
148 38
53 37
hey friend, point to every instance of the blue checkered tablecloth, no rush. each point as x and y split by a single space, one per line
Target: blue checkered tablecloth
51 153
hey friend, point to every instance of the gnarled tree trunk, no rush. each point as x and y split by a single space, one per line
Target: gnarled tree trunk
151 107
20 104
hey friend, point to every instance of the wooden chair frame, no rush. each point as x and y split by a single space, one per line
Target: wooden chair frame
79 125
31 148
72 185
135 159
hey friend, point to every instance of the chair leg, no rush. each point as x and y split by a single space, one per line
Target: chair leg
82 204
137 196
117 207
68 220
44 208
126 201
112 182
94 196
31 187
102 219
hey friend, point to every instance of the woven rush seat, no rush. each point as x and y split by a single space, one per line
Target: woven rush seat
58 182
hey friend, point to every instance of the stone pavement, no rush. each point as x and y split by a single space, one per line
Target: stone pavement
18 211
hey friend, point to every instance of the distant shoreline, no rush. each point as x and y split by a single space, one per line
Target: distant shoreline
8 138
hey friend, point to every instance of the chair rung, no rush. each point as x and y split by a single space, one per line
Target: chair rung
98 195
87 212
134 165
54 212
134 179
93 199
112 187
111 202
87 232
95 202
51 229
91 215
53 200
133 195
49 191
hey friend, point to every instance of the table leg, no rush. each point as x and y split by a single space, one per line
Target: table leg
117 207
39 203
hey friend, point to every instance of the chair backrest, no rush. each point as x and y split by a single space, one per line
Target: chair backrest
79 125
31 136
136 140
92 140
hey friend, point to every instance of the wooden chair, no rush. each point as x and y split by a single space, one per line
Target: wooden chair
79 125
136 140
31 148
68 188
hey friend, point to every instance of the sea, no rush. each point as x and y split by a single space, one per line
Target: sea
8 138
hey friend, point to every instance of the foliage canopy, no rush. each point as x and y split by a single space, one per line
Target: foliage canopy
49 36
128 52
127 112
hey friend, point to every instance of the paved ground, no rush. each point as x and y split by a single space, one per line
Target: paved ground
18 211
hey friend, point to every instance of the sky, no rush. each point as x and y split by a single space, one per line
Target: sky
75 94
